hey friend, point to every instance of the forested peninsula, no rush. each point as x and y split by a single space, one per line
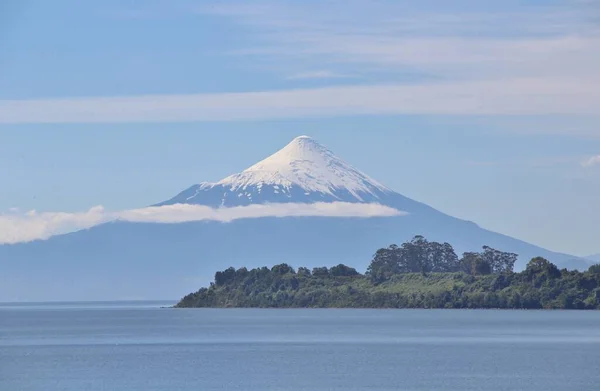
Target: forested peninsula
417 274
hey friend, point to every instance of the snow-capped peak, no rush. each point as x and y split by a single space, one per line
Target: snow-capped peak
309 165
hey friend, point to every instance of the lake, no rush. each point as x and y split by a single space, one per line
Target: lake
140 346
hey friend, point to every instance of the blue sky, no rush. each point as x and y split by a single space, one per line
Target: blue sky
488 112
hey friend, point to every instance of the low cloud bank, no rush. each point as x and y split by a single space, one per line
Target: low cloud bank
592 161
18 227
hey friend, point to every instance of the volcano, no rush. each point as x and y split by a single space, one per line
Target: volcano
127 260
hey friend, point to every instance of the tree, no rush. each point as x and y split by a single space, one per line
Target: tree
385 263
342 271
595 269
474 264
417 255
539 266
540 285
466 262
225 276
283 268
241 273
481 267
303 271
500 261
320 272
441 258
414 255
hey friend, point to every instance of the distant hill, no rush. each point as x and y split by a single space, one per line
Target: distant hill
122 260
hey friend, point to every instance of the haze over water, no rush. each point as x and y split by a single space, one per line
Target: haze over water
135 346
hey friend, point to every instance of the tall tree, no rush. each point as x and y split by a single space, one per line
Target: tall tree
500 261
417 255
540 269
414 255
385 263
474 264
442 258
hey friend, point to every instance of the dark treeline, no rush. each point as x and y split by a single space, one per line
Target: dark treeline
417 274
422 256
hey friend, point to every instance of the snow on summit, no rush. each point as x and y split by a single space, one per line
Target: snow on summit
309 165
303 171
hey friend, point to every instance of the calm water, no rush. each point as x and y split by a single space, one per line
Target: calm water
142 347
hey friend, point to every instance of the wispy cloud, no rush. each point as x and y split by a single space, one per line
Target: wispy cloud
16 227
528 96
530 61
467 44
592 161
322 74
432 18
480 61
470 47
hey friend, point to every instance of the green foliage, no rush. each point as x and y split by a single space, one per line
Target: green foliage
595 268
283 268
342 271
421 255
481 267
303 271
500 262
474 264
267 288
540 270
418 274
320 272
225 276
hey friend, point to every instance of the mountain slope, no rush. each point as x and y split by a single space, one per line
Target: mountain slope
122 260
595 258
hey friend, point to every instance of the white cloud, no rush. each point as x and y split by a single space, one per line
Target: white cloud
530 96
322 74
15 227
592 161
